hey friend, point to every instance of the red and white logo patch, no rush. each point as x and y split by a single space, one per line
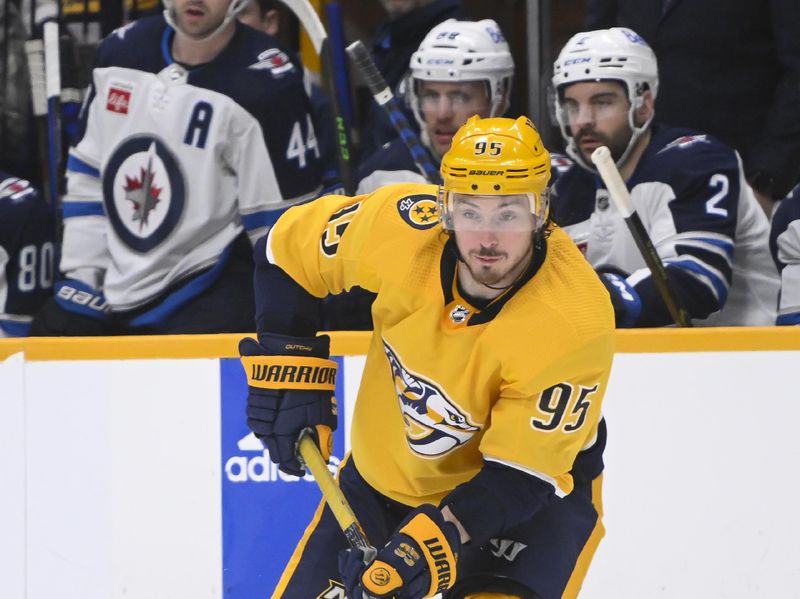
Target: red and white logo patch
119 98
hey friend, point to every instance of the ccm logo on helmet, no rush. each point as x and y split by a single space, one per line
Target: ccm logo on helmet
482 172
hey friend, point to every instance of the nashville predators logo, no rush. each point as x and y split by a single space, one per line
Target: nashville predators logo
435 425
419 211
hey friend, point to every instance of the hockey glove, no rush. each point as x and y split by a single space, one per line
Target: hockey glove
418 561
75 309
624 298
290 388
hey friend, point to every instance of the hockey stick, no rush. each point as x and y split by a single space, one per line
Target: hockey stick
34 52
309 18
334 497
622 199
52 71
383 95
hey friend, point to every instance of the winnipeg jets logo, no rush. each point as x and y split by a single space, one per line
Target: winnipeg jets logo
435 425
143 192
684 142
274 60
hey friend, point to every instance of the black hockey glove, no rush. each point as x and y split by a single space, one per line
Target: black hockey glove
290 388
418 561
76 309
624 298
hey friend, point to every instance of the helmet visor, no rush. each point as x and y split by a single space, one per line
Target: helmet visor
491 213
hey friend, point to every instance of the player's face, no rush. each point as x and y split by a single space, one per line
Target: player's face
597 115
445 106
494 237
198 18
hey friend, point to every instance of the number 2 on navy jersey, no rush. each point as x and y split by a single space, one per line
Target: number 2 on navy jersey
720 182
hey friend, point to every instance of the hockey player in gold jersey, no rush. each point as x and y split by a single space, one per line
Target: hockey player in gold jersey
477 435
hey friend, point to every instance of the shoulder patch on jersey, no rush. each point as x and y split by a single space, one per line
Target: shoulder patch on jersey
435 425
15 189
121 31
118 98
684 142
560 163
274 60
419 211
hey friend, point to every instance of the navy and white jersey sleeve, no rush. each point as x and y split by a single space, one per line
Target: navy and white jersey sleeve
690 193
785 246
26 254
393 163
174 164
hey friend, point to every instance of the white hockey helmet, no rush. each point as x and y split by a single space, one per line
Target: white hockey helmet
234 8
456 51
617 54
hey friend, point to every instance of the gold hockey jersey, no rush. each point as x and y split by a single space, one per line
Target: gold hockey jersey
447 386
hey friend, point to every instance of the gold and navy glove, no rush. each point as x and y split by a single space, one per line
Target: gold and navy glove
290 382
418 561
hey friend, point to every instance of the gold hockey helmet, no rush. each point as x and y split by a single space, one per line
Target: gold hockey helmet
496 157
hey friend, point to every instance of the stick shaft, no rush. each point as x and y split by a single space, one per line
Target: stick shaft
333 494
52 72
622 199
312 24
385 98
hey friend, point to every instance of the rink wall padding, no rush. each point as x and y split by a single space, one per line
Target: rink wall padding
128 471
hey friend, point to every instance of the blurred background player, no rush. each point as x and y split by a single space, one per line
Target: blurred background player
784 242
738 80
197 135
264 16
396 39
461 69
688 188
459 437
26 254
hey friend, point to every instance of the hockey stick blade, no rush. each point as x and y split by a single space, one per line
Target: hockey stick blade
383 95
333 495
622 200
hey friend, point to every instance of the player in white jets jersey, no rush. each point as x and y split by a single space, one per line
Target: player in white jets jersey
688 188
197 133
784 242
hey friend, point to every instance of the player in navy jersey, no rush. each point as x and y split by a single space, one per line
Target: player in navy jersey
197 134
784 242
460 69
688 188
26 254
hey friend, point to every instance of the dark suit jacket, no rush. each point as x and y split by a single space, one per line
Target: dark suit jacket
726 67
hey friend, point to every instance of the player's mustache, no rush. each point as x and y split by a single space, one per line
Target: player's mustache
583 133
489 253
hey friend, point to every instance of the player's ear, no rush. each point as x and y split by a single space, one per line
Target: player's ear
645 106
272 22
